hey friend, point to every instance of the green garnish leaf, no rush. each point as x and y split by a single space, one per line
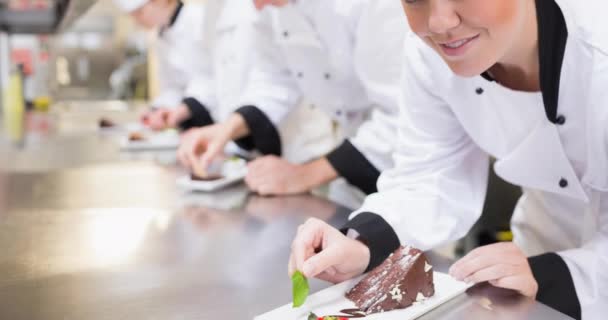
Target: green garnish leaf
312 316
300 289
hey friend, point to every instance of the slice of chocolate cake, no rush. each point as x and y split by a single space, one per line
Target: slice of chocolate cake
136 136
106 123
215 177
402 280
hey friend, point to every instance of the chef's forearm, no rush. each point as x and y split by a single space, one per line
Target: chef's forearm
198 114
555 284
376 233
318 172
352 165
237 126
253 130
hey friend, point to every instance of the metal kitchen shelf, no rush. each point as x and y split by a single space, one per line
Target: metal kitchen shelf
59 15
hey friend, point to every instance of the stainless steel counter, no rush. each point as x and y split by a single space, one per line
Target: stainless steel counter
88 232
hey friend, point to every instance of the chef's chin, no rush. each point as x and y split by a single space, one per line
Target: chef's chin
468 69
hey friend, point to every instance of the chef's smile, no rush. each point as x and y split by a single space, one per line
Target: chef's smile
458 47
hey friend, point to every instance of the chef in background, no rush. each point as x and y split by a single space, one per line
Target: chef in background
329 52
205 66
184 67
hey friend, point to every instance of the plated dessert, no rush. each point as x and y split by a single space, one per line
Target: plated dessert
210 177
105 123
220 174
403 279
136 136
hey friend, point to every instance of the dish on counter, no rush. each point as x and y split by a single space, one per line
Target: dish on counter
405 286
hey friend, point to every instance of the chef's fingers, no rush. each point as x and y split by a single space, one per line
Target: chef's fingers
483 257
307 241
324 261
291 266
182 155
492 272
524 284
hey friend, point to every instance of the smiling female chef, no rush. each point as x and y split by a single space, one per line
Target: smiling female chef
480 81
327 51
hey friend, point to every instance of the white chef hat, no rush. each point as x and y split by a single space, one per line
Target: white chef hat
129 5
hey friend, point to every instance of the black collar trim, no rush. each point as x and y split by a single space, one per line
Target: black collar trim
486 75
178 10
180 6
552 40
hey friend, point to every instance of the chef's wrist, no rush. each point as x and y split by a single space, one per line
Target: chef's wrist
317 173
183 113
236 126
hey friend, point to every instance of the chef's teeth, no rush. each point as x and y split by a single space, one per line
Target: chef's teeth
456 44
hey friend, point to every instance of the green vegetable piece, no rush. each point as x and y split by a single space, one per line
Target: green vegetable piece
300 289
312 316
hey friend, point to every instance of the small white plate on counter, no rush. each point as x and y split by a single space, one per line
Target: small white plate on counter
123 128
332 300
166 140
232 172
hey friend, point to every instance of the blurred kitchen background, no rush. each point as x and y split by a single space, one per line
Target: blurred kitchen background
75 50
64 64
62 59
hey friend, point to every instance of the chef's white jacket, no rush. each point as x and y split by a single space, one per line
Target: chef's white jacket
341 55
205 63
554 144
183 62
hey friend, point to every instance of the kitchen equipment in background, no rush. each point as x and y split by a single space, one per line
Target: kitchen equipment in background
14 108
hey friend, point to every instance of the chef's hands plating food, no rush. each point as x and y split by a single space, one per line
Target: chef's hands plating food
323 252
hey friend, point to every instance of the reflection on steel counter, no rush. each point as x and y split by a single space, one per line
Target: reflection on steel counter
96 236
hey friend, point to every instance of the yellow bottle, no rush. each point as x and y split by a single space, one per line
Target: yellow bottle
14 108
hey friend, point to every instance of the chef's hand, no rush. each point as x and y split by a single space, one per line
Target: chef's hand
339 258
166 118
199 147
260 4
144 118
178 115
503 265
156 119
272 175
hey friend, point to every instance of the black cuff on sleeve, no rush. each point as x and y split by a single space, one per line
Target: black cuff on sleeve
263 135
351 164
555 285
199 115
377 234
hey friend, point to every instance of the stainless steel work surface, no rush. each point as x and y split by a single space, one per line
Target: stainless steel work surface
90 232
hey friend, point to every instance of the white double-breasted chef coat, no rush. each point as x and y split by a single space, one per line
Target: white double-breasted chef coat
343 56
206 55
450 126
183 61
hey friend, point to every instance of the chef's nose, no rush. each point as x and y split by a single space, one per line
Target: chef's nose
442 17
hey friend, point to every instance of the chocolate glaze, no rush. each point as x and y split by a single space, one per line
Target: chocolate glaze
106 123
351 314
395 284
136 136
215 177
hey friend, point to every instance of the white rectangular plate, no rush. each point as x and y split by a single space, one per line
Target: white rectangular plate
124 128
154 141
231 176
331 300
